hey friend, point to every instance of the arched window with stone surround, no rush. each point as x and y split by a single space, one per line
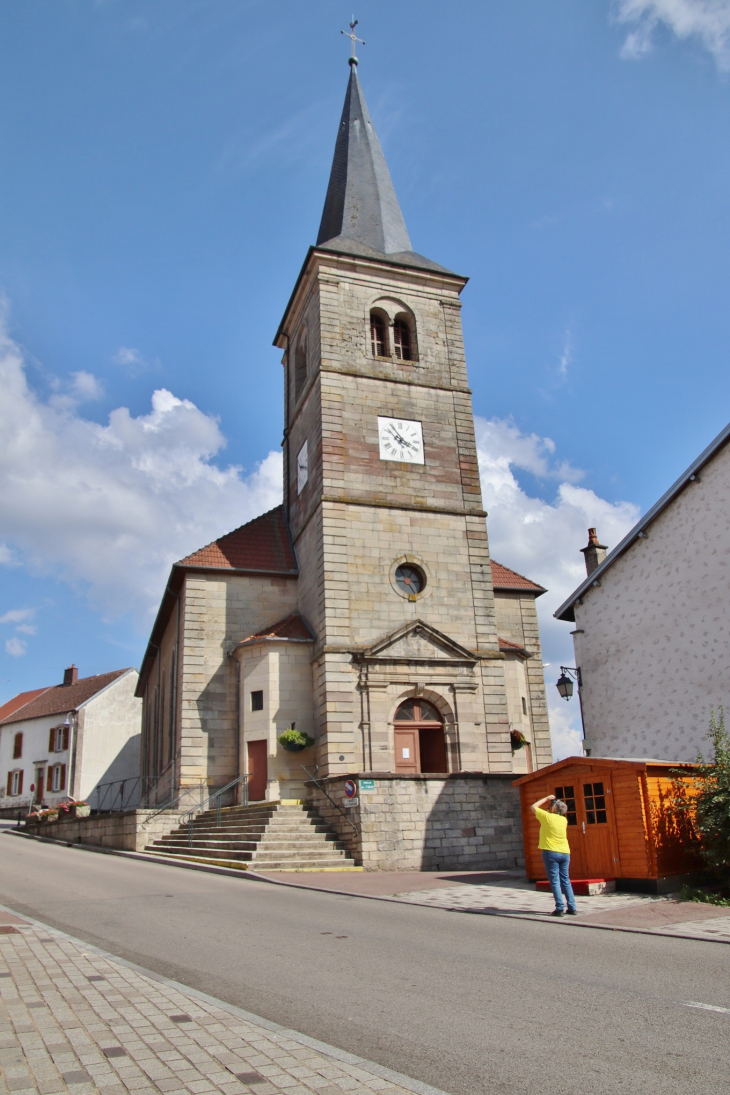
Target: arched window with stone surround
378 335
402 340
419 738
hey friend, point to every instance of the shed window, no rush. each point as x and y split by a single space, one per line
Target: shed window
17 746
568 796
257 700
595 800
402 340
378 340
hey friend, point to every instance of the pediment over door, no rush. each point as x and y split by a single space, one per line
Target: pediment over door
420 643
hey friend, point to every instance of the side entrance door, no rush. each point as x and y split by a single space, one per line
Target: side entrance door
598 828
39 779
257 770
407 756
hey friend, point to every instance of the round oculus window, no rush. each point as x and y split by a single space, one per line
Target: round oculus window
410 579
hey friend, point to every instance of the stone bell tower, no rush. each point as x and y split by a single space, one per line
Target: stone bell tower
382 489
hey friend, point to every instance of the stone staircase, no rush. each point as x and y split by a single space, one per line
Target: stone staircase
267 836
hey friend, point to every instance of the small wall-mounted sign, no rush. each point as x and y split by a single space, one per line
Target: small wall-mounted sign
351 802
367 784
350 788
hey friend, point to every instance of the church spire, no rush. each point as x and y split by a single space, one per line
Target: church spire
361 204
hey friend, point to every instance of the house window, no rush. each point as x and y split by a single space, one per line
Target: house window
402 340
257 701
15 782
17 746
524 706
57 777
378 340
58 739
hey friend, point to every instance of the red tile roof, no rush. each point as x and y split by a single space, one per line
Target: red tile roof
63 698
504 578
291 627
506 645
19 701
263 544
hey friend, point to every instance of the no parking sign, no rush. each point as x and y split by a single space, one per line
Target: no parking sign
351 788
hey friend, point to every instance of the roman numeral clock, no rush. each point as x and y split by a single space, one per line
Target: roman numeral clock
400 440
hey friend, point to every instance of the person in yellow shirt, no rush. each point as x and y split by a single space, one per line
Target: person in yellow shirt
553 844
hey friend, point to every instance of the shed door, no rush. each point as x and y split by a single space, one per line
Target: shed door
578 866
597 827
407 756
257 770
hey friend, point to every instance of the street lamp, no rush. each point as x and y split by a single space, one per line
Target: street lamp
565 684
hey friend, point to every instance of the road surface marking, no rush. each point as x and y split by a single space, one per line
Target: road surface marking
705 1007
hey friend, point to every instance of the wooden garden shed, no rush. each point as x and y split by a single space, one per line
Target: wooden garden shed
621 824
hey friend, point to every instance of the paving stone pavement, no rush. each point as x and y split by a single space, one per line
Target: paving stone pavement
516 896
73 1021
520 897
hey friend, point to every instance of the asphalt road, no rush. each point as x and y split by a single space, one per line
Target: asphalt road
470 1004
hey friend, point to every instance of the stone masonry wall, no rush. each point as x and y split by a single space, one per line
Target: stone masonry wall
123 830
464 822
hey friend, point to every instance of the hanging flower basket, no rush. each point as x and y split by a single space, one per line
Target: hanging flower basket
294 741
517 739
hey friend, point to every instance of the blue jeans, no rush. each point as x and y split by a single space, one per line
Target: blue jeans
556 865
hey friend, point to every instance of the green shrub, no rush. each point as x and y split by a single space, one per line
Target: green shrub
707 805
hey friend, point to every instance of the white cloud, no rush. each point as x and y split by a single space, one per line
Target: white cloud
26 629
706 20
111 507
127 355
86 386
15 647
17 615
566 357
7 557
542 539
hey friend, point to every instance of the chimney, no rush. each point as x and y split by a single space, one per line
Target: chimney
593 552
70 676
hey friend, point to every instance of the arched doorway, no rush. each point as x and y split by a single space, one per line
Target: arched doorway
418 735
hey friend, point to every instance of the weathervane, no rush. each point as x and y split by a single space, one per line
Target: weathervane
353 38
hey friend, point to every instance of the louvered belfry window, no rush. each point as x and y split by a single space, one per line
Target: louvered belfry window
402 340
377 336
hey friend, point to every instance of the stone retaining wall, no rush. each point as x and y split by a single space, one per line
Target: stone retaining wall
119 830
465 822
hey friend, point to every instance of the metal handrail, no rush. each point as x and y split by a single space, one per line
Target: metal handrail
189 817
321 788
135 784
175 800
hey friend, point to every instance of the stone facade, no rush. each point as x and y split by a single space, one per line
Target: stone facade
129 830
462 822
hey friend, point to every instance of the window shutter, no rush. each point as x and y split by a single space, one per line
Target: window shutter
20 783
51 739
49 783
10 783
65 737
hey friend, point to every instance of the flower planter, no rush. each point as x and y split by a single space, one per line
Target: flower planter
292 747
82 809
517 740
52 815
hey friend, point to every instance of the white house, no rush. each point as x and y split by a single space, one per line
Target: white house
63 741
652 635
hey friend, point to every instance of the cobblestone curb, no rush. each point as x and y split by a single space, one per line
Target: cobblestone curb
75 1020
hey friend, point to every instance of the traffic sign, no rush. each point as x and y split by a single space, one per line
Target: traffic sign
351 788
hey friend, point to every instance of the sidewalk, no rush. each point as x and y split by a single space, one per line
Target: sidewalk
508 893
74 1020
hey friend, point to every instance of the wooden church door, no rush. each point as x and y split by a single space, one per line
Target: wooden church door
418 736
257 770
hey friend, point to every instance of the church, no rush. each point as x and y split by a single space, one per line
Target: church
365 612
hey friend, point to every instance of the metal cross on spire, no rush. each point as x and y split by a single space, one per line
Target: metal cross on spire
353 38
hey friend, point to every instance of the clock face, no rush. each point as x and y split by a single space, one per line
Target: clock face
302 468
400 440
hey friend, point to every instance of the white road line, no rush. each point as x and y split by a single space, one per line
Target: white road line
704 1007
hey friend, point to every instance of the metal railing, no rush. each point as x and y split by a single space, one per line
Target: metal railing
173 802
336 806
122 794
216 796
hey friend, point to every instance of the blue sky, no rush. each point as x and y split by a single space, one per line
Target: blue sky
164 166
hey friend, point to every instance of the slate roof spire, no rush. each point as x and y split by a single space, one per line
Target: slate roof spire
361 203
